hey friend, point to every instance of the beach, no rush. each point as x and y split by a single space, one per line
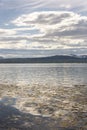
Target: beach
39 107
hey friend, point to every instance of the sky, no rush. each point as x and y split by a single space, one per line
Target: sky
39 28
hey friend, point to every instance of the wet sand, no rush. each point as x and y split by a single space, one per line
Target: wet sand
43 107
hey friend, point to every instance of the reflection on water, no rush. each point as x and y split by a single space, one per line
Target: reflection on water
59 74
43 96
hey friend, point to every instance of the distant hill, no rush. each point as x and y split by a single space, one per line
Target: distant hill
1 57
51 59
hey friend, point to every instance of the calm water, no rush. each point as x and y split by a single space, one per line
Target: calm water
56 74
56 91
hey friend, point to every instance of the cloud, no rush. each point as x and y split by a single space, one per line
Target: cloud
21 4
6 32
46 30
56 27
57 23
32 5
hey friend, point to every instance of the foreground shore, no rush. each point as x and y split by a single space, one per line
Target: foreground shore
39 107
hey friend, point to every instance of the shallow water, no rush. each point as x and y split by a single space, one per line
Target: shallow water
55 91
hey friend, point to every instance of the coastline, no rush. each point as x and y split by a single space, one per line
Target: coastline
39 107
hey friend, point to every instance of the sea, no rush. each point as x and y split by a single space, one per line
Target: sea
58 74
52 96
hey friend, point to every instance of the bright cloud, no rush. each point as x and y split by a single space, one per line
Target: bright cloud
43 26
56 30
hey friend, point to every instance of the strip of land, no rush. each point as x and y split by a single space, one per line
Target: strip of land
51 59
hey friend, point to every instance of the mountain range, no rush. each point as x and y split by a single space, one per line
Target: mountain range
50 59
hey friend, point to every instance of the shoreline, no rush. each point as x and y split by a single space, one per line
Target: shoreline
39 107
